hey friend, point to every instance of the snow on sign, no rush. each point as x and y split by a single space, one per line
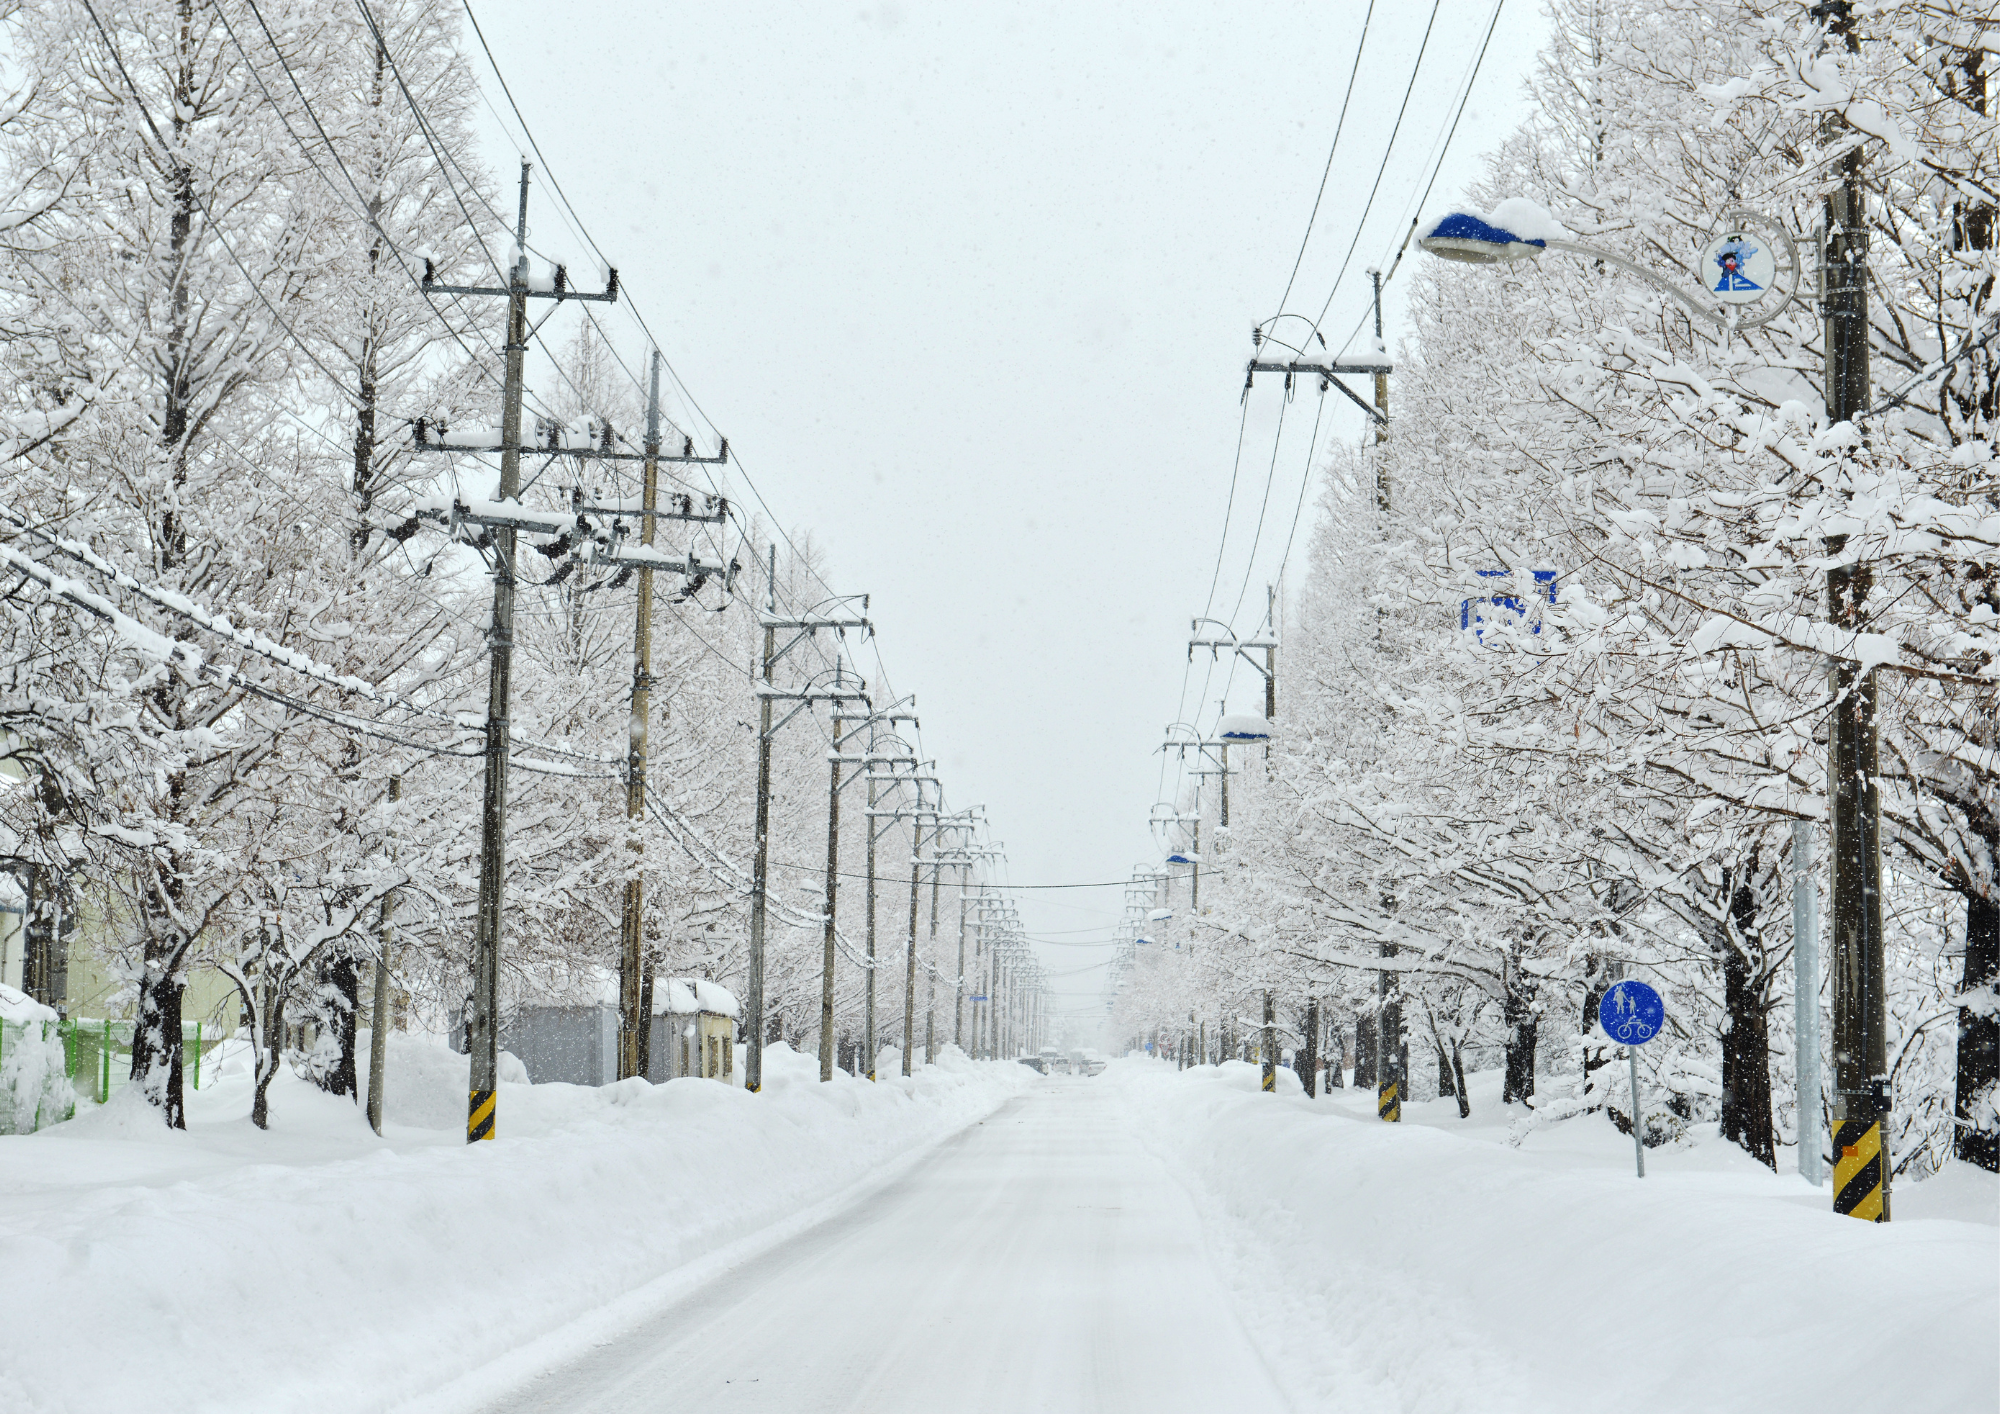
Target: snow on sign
1738 267
1472 613
1631 1013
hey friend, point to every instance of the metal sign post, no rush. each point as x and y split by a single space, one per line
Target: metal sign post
1632 1014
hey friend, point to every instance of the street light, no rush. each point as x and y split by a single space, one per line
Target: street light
1740 272
1739 264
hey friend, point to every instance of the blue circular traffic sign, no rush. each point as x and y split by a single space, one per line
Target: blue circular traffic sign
1631 1013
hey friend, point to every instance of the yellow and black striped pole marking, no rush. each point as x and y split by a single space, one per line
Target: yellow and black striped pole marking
479 1117
1270 1080
1858 1191
1388 1103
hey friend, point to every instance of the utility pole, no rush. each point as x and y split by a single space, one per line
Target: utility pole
753 1052
958 990
802 628
1309 1057
833 896
1271 654
1270 1042
482 1026
634 973
1861 1098
499 529
910 954
378 1017
1389 1049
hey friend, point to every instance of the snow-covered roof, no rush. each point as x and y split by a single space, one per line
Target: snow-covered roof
684 996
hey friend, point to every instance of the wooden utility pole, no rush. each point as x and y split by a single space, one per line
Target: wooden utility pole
910 953
633 1021
1271 650
958 986
874 831
1270 1042
930 1008
1861 1096
482 1028
500 534
753 1051
1389 1048
833 896
767 694
1309 1052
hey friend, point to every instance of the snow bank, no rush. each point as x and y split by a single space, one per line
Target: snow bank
1425 1267
272 1271
34 1081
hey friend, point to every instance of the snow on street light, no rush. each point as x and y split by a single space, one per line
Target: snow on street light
1244 727
1516 229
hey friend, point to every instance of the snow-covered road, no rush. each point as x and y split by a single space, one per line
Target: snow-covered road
1041 1260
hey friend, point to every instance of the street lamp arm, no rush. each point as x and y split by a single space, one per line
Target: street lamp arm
1658 282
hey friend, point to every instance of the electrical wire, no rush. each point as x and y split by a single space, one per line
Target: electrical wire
1339 124
1387 152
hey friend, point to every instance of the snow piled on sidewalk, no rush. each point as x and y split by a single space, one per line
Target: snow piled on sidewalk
1430 1267
225 1268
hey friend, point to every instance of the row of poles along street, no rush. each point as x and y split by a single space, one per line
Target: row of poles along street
1005 1009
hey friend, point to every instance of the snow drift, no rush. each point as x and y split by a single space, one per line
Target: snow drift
232 1269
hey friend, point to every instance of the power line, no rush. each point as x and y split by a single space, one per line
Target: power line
1380 171
1339 124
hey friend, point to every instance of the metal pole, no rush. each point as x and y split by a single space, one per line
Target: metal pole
1638 1111
1860 1012
482 1028
1805 1000
832 893
632 1022
753 1050
378 1028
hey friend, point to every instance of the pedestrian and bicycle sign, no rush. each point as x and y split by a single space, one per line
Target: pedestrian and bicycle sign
1632 1014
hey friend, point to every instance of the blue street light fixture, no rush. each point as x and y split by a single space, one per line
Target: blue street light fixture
1240 729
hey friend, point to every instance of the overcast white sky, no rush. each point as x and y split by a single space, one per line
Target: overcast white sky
969 288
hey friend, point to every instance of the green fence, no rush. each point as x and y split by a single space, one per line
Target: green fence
99 1053
97 1056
